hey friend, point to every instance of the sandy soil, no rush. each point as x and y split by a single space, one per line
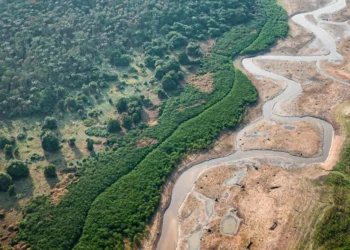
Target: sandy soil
297 138
297 6
340 16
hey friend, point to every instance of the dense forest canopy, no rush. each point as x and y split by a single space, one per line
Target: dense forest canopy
49 48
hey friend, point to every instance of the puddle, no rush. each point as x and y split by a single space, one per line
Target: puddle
230 224
194 240
209 207
289 127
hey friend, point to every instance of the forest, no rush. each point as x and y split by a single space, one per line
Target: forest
56 57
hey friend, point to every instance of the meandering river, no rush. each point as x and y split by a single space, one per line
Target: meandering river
271 110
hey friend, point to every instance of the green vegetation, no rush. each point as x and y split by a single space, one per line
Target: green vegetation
50 142
50 171
49 123
5 182
17 169
138 173
333 232
113 126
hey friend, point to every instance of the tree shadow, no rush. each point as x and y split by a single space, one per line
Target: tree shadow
78 154
23 190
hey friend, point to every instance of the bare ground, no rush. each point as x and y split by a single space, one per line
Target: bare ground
297 138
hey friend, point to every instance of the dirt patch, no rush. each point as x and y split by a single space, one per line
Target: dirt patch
143 143
61 188
340 70
286 199
150 117
340 16
205 83
316 89
296 6
206 47
297 138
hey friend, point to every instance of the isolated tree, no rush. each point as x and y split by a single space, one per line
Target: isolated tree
113 126
127 122
49 123
71 141
90 144
9 150
5 182
4 141
50 142
122 105
50 171
17 169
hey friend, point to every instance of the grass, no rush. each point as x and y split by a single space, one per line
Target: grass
333 231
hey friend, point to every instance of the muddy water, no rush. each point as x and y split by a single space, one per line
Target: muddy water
271 110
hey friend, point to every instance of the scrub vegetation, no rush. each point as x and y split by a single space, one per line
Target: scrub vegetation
65 56
333 231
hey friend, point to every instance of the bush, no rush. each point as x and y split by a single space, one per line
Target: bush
9 150
71 141
90 144
96 131
122 105
4 141
127 122
50 171
49 123
5 182
17 169
50 142
113 126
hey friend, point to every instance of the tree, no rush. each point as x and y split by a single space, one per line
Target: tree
9 150
17 169
71 141
122 105
4 141
127 122
50 142
136 118
50 171
183 58
193 49
90 144
5 182
49 123
113 126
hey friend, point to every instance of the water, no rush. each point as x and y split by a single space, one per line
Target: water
271 110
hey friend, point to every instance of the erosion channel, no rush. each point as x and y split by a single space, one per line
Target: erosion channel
272 110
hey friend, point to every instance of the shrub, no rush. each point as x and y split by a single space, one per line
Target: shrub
122 105
49 123
5 182
9 150
113 126
90 144
127 122
4 141
50 142
50 171
17 169
71 141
